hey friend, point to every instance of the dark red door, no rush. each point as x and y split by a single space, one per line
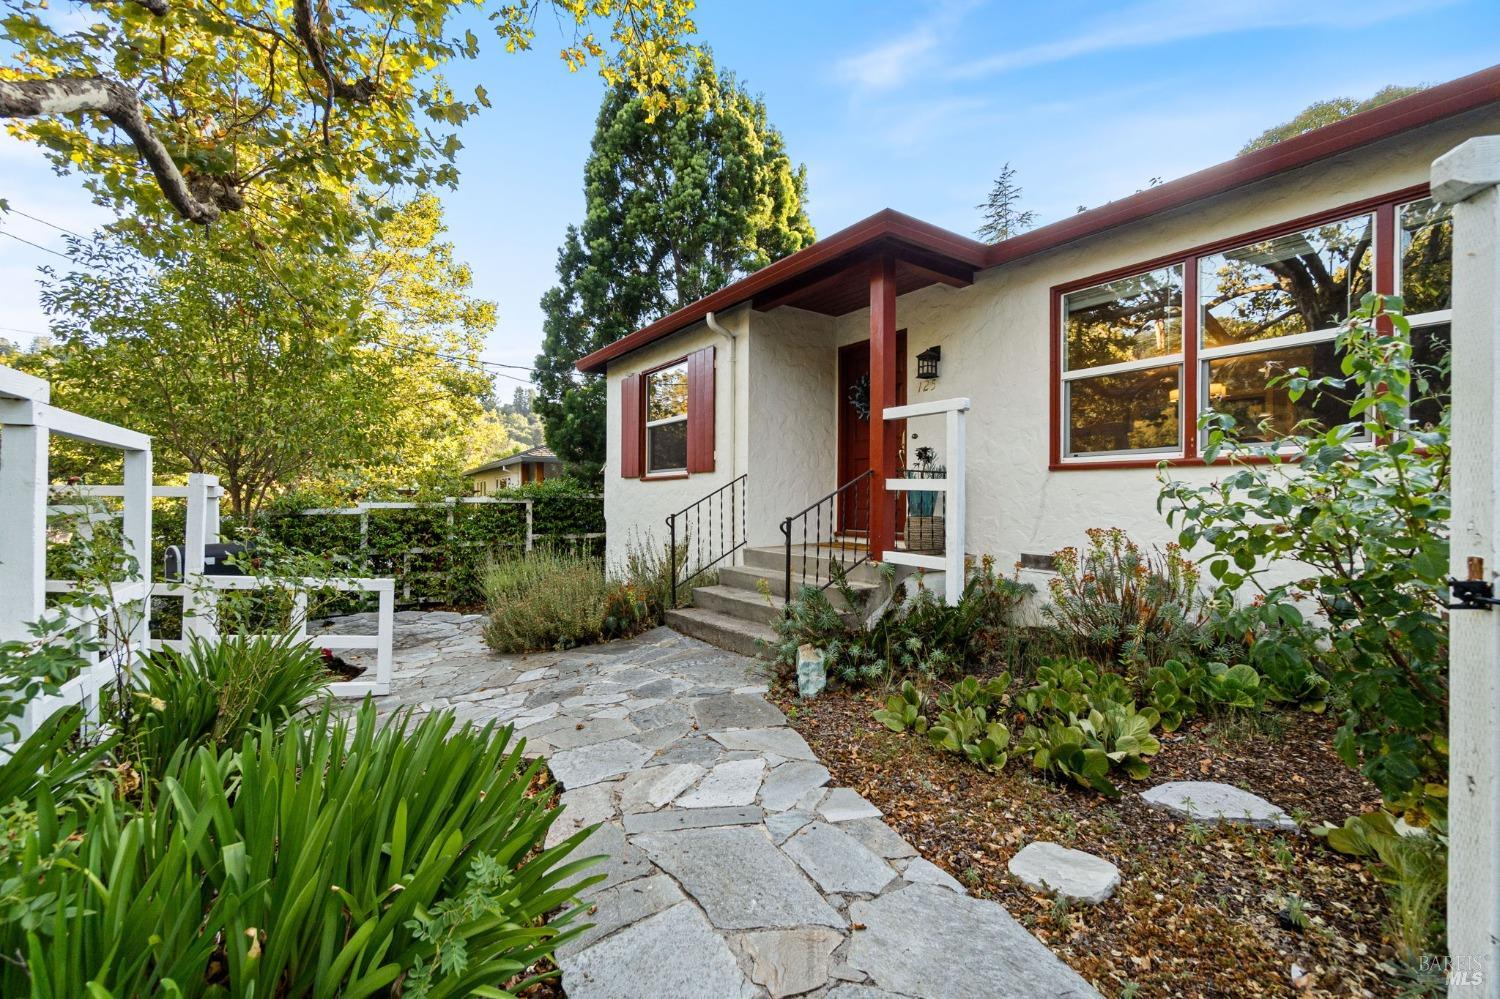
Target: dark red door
854 428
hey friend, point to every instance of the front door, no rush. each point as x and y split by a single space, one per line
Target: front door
854 428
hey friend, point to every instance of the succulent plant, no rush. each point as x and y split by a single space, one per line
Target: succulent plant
903 710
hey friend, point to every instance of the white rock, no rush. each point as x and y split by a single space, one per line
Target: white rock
1073 874
1207 801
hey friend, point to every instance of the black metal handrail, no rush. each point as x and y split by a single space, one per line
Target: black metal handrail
712 529
848 510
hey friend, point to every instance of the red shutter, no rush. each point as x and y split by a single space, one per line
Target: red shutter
700 422
632 438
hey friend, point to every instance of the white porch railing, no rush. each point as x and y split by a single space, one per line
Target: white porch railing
28 421
951 562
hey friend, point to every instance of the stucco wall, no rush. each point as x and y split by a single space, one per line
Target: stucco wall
995 337
793 417
635 510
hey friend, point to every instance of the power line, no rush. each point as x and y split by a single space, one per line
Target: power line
51 225
39 246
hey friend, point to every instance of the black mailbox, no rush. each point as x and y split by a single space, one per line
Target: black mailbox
215 560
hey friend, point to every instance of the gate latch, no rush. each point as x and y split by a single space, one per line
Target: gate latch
1472 594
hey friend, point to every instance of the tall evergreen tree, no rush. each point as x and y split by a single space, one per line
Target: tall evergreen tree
1003 216
676 209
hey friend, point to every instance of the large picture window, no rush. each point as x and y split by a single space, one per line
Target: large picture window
1122 350
667 420
1424 280
1140 357
1273 305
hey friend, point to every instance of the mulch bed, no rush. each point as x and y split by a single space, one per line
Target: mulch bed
1200 908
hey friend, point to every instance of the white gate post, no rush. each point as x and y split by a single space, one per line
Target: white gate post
198 607
23 505
137 531
1467 179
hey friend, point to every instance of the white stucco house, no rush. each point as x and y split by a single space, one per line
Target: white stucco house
1033 385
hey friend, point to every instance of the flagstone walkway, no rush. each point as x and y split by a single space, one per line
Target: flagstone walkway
734 869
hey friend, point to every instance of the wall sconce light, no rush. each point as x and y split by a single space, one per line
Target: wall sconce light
927 363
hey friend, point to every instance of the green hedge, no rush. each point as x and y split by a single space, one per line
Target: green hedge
438 554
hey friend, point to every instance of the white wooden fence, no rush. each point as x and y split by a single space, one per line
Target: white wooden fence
28 422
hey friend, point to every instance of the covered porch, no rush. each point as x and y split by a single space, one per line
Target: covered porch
861 460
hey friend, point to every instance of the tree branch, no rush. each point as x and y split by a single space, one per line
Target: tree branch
118 103
360 91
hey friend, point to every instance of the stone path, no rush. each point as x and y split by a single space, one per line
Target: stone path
733 869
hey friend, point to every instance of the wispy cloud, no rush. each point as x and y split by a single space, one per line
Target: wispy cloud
887 66
1159 22
893 63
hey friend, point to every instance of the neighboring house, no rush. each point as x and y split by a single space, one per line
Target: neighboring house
532 465
1086 349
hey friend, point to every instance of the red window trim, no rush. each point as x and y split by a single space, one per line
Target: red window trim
1383 207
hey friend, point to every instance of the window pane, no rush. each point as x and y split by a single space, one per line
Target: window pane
1126 320
666 447
1132 411
1297 283
1429 354
1426 279
666 395
1239 386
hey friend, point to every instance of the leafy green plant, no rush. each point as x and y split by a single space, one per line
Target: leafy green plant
1171 689
1120 605
212 693
1058 747
903 710
1059 687
322 860
1085 749
1236 686
1364 505
917 635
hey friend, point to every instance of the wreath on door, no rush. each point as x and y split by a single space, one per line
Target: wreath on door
859 397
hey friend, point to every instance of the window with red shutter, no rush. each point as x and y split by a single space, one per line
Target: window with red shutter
700 422
632 409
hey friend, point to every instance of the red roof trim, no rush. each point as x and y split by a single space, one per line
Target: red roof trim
1431 105
883 225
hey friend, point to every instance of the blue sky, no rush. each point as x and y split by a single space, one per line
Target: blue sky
908 105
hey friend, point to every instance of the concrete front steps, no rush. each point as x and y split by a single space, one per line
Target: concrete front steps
738 612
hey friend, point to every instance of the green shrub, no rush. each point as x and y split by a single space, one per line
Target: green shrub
1364 507
918 635
551 599
335 858
1119 605
212 693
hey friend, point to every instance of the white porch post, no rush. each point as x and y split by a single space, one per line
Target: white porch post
1467 179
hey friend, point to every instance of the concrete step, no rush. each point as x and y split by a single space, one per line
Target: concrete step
816 561
729 633
758 580
747 605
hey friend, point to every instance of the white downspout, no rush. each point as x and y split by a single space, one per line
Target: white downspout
734 439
